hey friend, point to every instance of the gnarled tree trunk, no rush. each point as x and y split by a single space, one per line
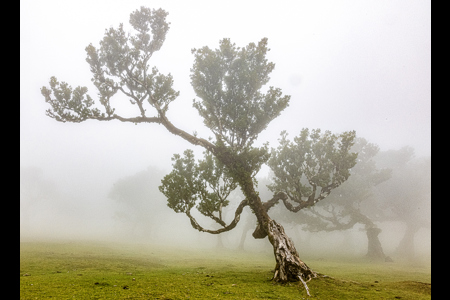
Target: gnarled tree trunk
406 245
288 267
374 249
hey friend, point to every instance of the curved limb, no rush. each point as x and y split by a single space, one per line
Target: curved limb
312 200
237 217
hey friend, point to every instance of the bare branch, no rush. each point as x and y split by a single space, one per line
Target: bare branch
181 133
277 197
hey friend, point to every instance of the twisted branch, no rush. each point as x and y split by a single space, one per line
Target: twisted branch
237 217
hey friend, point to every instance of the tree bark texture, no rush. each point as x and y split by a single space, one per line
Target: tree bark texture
288 267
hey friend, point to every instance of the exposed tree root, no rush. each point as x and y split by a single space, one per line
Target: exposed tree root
305 285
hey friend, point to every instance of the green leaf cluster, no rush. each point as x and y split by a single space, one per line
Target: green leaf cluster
68 104
203 183
124 58
313 159
228 81
119 64
345 206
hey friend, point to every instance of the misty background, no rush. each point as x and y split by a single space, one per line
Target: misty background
348 65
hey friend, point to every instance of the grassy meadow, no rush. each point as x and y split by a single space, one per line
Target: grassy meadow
96 270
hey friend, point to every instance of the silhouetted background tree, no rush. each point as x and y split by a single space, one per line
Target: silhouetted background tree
345 207
406 197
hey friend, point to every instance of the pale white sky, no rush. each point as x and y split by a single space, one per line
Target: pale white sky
348 65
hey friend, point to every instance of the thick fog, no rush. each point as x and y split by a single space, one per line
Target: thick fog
348 65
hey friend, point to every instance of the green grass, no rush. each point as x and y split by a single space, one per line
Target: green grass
81 270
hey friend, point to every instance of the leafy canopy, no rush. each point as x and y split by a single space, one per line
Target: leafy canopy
353 201
235 104
120 64
312 160
228 80
201 183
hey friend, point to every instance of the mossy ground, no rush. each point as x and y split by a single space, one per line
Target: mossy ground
86 270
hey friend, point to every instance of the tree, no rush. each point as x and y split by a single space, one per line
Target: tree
346 207
36 194
228 82
138 202
312 161
205 181
406 196
44 207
